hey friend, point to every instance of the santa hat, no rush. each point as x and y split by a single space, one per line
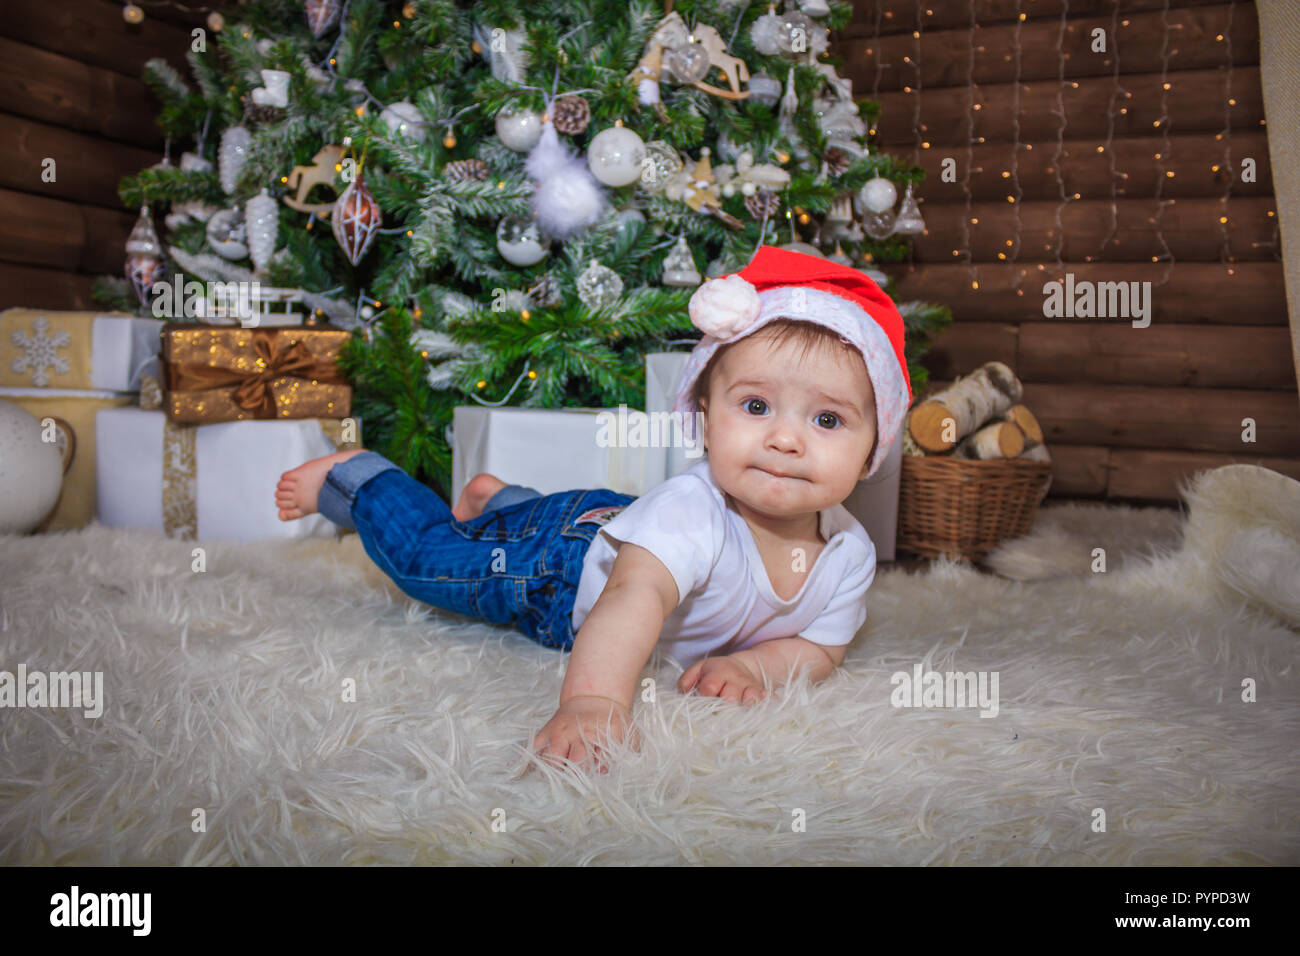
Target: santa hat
780 284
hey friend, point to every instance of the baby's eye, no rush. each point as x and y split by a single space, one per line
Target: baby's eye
755 406
828 420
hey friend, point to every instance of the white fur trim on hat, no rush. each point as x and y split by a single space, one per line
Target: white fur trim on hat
850 321
724 307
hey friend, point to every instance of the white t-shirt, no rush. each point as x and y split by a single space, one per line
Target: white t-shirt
727 602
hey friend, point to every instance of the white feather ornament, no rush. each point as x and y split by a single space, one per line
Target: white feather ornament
568 198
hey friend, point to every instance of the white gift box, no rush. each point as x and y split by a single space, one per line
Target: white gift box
218 483
874 502
550 450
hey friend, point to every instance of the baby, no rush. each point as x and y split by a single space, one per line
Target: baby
745 565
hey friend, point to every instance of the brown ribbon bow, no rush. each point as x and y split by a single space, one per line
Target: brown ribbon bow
254 393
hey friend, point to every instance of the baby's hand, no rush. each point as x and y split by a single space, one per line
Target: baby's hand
601 719
725 677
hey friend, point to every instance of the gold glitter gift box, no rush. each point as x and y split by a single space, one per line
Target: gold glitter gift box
221 373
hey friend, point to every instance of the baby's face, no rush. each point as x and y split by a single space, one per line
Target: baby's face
788 437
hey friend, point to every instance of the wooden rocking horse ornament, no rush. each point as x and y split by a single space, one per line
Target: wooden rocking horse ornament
670 34
321 172
732 67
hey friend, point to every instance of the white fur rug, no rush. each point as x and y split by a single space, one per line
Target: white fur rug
1119 692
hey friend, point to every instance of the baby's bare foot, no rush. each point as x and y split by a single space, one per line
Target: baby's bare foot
299 488
475 495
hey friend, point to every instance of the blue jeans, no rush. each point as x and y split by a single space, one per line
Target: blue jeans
517 564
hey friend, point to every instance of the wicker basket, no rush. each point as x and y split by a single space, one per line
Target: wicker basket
962 507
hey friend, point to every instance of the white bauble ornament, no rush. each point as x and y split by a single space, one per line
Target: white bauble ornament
261 223
520 241
616 155
226 234
878 195
763 33
31 471
599 286
815 8
794 34
625 219
764 90
404 119
233 155
519 129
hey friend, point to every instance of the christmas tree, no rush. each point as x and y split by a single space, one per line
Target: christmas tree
511 203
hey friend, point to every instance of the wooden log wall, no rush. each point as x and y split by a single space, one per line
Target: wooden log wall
1025 109
70 92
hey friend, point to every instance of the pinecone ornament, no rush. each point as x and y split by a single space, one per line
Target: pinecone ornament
570 115
763 204
262 115
460 170
837 161
545 293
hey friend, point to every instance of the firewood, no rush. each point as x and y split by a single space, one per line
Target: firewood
1023 418
995 440
948 417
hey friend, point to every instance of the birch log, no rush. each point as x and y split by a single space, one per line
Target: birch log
994 440
960 409
1023 418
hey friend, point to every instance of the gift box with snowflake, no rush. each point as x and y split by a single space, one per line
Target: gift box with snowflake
64 367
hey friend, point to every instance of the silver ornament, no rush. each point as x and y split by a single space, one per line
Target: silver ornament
226 234
261 223
233 156
599 286
764 90
520 241
679 266
661 164
404 119
144 262
763 33
909 221
794 34
689 63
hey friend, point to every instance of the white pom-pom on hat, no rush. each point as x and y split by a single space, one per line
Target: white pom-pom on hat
724 308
